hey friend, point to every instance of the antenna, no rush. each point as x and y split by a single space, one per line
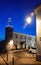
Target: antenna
9 21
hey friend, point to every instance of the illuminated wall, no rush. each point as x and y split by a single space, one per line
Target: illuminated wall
38 31
19 37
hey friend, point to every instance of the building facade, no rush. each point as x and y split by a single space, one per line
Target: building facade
26 40
38 31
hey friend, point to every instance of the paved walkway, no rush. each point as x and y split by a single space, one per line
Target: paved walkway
24 58
21 58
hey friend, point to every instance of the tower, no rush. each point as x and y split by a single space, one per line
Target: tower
9 30
38 31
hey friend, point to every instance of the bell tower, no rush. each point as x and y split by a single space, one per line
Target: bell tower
9 30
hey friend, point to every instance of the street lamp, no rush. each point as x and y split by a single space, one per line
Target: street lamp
28 20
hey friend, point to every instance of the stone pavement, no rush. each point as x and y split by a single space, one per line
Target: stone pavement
25 59
21 58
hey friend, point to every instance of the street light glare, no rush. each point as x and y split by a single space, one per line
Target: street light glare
32 14
28 20
11 42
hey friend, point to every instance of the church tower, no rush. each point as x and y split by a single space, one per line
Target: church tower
9 30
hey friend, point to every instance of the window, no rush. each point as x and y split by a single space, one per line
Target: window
40 38
35 39
29 38
25 37
21 37
16 41
16 36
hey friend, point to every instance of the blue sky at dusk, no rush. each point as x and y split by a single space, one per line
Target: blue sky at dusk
18 10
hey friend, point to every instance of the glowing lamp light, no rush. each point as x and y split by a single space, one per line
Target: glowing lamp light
32 13
10 45
28 20
11 42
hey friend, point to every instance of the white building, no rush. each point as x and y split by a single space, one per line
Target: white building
29 40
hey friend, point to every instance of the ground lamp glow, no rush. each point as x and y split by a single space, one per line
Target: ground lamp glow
9 45
11 42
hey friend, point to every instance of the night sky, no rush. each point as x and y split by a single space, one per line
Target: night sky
18 10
